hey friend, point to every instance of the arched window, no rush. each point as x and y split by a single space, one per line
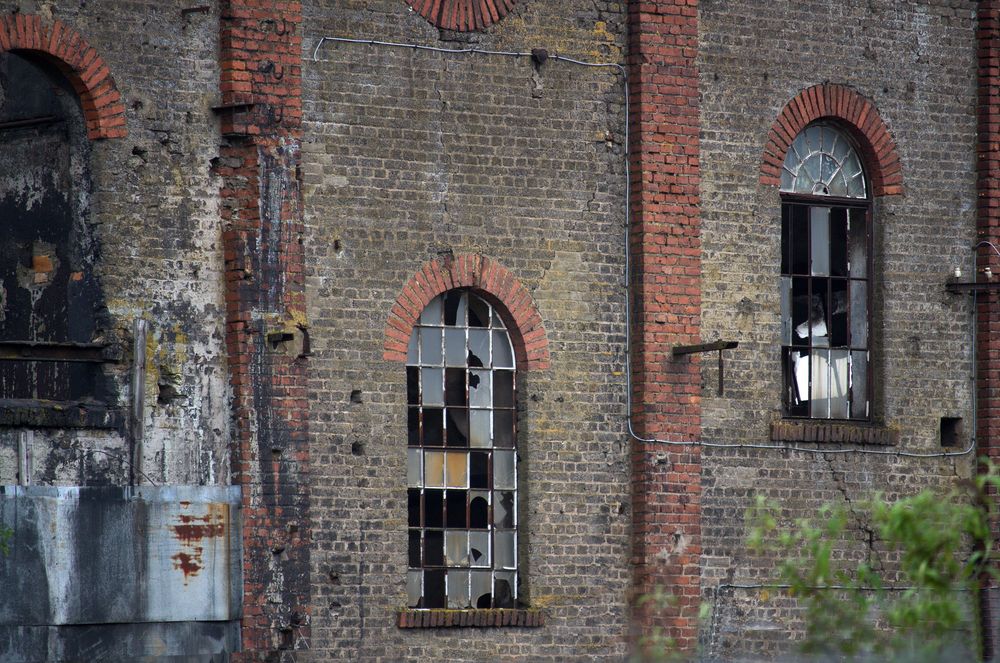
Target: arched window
461 457
826 253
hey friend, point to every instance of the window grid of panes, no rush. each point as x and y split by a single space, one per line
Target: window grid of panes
461 457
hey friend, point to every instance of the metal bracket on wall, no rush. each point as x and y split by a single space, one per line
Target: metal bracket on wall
971 286
719 346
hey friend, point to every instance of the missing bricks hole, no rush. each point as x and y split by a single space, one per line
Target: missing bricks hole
338 246
356 396
357 448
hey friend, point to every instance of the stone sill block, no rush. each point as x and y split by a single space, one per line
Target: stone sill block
491 618
836 432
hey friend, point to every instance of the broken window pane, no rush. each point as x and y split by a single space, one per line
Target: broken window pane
479 470
413 427
503 355
503 389
800 239
456 548
455 393
458 590
503 428
454 347
414 548
413 470
503 509
479 347
457 474
456 508
786 237
479 313
433 548
432 385
819 332
504 550
434 469
839 380
434 596
455 303
482 589
433 427
413 507
838 241
819 237
479 425
479 549
479 510
458 427
480 388
503 469
838 313
430 347
504 592
413 591
800 311
433 508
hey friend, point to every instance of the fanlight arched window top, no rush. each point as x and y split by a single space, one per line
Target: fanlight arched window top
821 161
461 457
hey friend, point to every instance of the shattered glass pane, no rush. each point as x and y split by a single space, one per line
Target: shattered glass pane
479 424
479 464
503 355
503 469
433 427
504 592
433 548
479 313
456 548
504 549
414 548
433 508
458 590
797 403
456 508
454 381
482 589
800 239
454 347
838 313
457 473
503 389
479 549
434 469
800 311
479 510
413 426
503 509
479 348
455 304
412 385
480 388
503 428
458 427
413 507
430 347
838 241
819 237
431 314
432 384
413 592
413 467
434 596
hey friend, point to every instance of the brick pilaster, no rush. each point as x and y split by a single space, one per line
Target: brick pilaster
665 243
988 310
266 329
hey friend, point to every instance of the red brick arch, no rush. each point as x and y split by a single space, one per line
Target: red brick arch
849 109
489 279
78 61
462 15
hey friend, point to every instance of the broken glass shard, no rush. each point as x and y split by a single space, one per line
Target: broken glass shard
503 589
480 387
479 549
482 590
479 312
479 348
413 592
503 509
455 303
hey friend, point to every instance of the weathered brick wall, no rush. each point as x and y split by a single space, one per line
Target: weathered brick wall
411 155
154 212
916 64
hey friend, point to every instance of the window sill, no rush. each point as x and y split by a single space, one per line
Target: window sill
837 432
491 618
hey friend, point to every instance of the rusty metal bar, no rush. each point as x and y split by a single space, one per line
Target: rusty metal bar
974 286
29 122
42 351
715 346
139 334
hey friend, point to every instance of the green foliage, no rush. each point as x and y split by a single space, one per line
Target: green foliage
6 534
939 544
